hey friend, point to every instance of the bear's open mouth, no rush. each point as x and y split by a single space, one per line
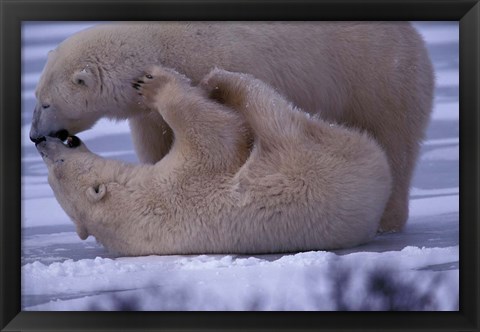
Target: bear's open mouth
61 134
69 140
73 141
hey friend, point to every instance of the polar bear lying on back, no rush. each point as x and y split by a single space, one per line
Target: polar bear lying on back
302 184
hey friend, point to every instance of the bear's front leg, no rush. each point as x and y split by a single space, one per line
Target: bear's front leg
167 92
206 131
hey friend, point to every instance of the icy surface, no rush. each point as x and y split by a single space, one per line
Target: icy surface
417 268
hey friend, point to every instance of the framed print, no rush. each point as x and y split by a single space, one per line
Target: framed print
405 58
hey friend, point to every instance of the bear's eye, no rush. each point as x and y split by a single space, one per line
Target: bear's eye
79 81
45 106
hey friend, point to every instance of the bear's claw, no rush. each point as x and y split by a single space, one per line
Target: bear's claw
140 82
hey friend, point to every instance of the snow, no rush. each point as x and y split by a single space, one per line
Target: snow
210 277
417 269
41 211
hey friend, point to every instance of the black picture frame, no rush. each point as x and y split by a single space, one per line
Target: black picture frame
13 12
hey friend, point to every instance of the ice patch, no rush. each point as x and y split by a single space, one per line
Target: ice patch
43 211
441 141
446 78
446 111
37 241
431 192
38 190
422 207
447 154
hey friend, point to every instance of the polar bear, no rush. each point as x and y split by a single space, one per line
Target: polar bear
374 76
302 184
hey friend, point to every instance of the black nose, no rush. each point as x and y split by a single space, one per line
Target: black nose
37 140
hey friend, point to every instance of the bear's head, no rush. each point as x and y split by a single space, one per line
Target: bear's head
87 77
71 176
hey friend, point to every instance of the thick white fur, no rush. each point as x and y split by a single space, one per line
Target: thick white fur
302 184
374 76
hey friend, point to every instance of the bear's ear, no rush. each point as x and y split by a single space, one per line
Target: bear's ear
96 193
83 77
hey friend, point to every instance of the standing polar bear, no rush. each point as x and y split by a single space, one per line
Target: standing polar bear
374 76
302 184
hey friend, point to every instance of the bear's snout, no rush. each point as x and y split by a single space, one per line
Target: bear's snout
46 147
50 147
41 147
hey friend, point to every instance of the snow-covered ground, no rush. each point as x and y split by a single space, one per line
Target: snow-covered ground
413 270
